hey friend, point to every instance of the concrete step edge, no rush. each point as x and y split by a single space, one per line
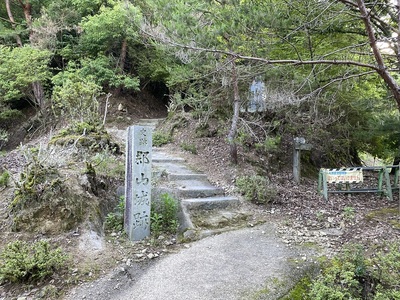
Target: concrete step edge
160 160
201 192
209 203
191 176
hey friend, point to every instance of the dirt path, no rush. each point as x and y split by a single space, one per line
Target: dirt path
251 263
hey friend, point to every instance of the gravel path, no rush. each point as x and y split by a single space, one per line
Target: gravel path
250 263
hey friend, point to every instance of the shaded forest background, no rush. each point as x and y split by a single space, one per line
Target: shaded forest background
75 73
330 68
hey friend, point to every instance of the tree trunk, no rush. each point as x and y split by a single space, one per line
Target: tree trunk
122 58
398 35
236 107
37 87
27 7
38 93
382 69
12 21
121 64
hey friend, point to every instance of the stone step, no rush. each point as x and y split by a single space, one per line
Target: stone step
210 203
162 158
172 167
175 171
189 176
197 189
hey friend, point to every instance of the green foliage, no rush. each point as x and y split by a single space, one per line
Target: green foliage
19 68
353 275
102 70
115 220
270 144
257 189
107 164
75 97
77 128
160 138
189 147
164 215
90 135
108 28
4 178
348 212
8 114
22 262
300 290
87 7
3 137
36 181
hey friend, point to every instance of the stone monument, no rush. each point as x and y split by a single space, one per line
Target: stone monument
138 182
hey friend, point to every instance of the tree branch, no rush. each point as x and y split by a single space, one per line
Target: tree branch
12 21
385 27
381 68
294 62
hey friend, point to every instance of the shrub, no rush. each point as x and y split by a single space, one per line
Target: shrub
189 147
164 215
3 137
91 135
4 178
256 189
348 213
353 275
75 96
37 182
115 219
107 164
7 114
269 145
23 262
160 139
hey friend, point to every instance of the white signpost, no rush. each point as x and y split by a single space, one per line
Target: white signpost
344 175
138 182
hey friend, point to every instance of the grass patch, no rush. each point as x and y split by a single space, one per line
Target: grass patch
160 138
115 220
189 148
354 275
164 216
300 290
4 178
26 263
107 164
256 189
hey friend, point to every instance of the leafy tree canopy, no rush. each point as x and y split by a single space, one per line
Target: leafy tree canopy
105 31
19 68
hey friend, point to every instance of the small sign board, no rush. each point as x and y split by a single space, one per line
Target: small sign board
344 175
303 147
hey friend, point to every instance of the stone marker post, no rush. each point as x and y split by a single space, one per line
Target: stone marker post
138 182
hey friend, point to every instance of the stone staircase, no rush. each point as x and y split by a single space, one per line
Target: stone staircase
204 208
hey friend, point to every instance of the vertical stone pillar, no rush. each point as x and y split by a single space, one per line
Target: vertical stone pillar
138 182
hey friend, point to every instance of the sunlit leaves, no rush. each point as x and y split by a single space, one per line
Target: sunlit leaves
105 31
19 68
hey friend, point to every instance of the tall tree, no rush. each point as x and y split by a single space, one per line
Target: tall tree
321 43
12 21
26 6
